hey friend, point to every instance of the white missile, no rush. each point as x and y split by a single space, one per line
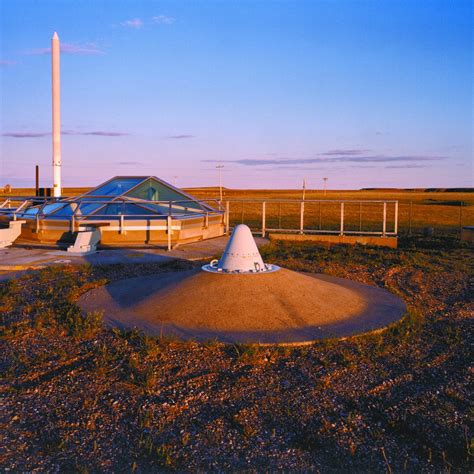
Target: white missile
56 106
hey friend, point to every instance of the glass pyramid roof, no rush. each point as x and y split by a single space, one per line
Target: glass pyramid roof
128 196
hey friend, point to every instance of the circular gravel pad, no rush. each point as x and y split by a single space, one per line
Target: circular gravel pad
280 307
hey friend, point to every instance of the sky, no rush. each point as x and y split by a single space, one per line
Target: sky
364 93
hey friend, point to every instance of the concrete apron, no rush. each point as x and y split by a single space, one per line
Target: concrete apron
285 307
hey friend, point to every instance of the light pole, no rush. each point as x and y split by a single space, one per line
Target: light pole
219 168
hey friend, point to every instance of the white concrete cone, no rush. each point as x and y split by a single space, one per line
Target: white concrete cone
241 253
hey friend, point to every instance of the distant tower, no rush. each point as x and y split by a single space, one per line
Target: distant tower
56 94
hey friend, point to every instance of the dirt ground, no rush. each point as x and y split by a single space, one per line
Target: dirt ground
80 398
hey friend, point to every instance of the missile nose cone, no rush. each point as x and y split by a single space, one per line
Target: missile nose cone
55 36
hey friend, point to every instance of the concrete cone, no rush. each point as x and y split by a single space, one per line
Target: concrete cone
241 253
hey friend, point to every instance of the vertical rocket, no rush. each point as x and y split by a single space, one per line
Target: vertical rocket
56 95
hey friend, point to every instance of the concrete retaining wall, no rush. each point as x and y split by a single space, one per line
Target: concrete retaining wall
376 241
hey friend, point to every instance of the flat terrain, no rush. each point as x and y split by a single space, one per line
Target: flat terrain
80 398
446 211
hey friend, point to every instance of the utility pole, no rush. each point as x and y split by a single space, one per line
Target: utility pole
219 168
325 185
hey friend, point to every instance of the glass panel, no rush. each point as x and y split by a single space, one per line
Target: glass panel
115 187
32 211
52 207
66 211
88 207
152 190
125 209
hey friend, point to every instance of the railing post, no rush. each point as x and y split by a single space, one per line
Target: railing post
341 232
360 216
206 221
37 223
264 208
169 222
301 217
384 227
72 223
409 217
121 224
396 218
227 217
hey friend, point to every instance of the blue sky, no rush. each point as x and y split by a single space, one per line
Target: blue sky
366 93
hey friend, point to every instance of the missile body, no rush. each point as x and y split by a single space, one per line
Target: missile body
56 96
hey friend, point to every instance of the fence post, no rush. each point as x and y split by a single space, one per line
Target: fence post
242 212
121 223
169 223
460 214
72 223
409 217
264 209
301 217
319 215
37 223
395 229
360 217
227 217
342 219
279 217
384 225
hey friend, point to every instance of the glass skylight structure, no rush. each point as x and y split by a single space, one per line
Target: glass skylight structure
123 197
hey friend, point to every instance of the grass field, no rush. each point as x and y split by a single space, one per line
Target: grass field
444 211
78 397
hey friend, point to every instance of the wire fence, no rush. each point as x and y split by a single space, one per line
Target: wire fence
372 217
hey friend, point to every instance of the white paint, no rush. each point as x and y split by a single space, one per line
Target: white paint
10 234
56 112
241 255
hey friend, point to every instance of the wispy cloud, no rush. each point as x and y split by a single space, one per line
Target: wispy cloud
99 133
6 62
25 134
135 23
163 20
332 159
129 162
179 137
350 152
407 166
84 49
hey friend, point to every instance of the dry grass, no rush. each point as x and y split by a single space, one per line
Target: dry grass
444 211
81 398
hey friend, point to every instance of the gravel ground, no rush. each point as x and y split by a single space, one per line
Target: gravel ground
78 397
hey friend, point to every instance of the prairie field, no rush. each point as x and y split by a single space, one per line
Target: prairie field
444 211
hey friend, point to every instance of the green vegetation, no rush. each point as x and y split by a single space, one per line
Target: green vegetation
83 398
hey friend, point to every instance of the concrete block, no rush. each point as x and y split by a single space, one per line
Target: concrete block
373 240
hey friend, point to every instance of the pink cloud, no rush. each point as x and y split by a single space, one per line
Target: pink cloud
135 23
5 62
163 20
